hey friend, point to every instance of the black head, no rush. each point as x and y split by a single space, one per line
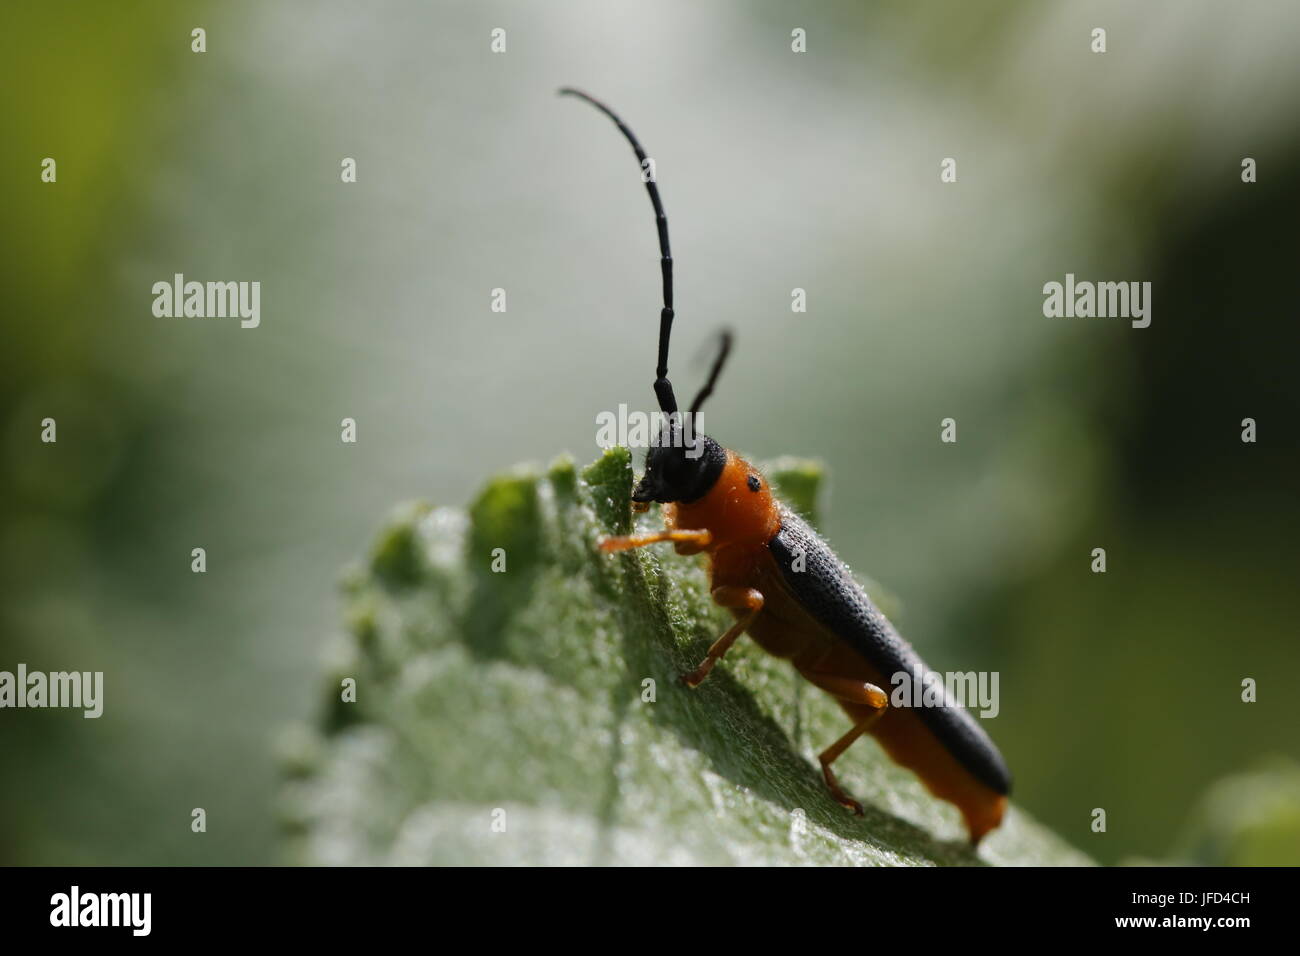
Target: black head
681 465
678 471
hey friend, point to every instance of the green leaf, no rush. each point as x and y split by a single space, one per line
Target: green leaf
486 696
1250 818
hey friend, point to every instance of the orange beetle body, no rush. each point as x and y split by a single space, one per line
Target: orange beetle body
741 523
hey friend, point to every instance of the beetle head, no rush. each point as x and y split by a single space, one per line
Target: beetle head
679 467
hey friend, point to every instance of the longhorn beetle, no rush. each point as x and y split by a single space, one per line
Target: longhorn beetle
792 595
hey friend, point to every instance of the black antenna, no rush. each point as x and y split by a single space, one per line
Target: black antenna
663 387
724 349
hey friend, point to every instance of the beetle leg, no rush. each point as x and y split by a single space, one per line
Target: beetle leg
748 600
688 542
852 691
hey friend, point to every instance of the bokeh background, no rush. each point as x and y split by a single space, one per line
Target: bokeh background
779 170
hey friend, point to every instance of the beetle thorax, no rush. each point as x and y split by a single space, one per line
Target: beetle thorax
739 509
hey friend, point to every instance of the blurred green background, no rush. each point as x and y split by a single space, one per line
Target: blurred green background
779 170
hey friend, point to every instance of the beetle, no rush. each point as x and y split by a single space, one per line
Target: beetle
787 589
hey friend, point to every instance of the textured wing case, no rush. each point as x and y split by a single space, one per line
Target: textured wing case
828 591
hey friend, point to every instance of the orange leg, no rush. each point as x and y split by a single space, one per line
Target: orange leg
855 692
688 542
746 599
